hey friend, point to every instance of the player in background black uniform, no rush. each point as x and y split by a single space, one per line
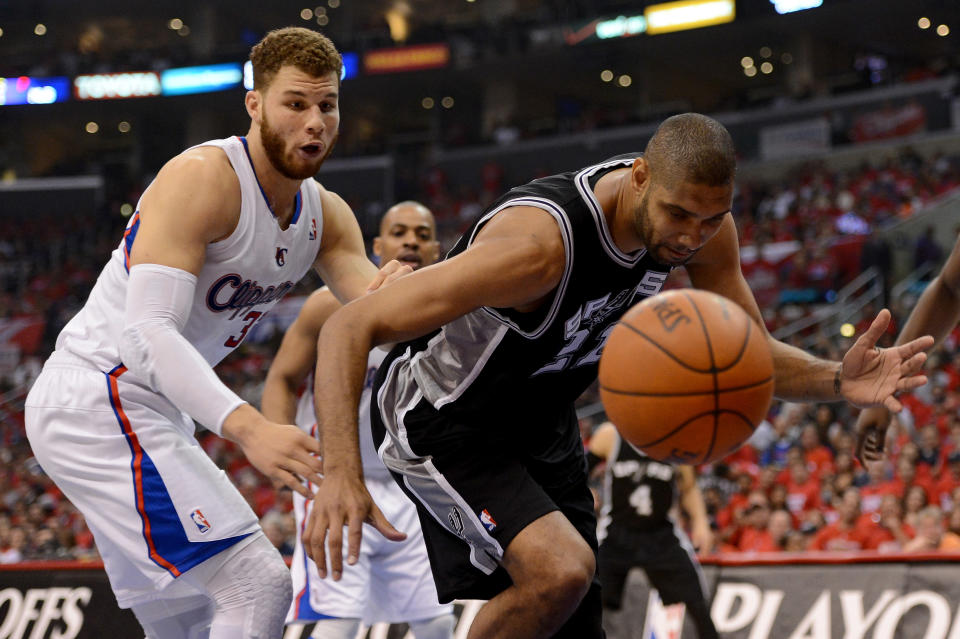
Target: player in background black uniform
476 410
636 529
936 313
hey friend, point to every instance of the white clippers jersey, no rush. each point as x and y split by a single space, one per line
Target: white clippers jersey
242 278
373 468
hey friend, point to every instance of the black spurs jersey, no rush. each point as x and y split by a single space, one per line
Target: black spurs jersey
512 374
638 492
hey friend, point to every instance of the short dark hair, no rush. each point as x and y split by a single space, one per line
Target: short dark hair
691 147
309 51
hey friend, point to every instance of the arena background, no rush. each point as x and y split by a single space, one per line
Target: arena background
847 121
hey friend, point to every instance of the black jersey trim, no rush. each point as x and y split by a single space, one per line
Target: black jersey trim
566 232
583 185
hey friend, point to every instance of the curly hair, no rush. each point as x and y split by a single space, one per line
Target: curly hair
307 50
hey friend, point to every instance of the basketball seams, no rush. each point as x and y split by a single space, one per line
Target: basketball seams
713 372
668 435
662 349
731 389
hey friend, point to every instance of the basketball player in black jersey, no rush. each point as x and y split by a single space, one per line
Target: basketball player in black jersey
636 529
474 414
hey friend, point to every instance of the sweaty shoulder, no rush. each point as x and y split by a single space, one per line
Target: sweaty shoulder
329 200
198 183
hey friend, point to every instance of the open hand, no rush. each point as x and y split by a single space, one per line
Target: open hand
870 376
342 500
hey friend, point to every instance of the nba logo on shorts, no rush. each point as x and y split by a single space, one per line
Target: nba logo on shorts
200 520
487 521
663 622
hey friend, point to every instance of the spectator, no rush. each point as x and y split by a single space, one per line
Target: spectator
914 502
948 481
819 458
15 549
844 533
753 534
930 533
929 451
889 533
803 490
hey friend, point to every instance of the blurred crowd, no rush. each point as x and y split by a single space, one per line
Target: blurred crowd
794 486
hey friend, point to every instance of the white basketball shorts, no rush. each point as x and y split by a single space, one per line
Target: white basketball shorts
126 457
391 581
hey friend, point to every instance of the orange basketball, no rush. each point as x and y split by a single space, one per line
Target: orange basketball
686 376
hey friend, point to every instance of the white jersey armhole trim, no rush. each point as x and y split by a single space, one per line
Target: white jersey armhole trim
583 185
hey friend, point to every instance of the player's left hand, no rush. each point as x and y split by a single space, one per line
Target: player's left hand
389 272
870 376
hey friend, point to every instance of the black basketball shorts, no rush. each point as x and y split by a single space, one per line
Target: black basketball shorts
474 497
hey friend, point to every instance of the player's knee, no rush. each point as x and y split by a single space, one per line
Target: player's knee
250 587
573 580
566 582
276 579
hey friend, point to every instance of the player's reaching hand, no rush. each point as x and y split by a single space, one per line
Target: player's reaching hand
702 538
389 272
871 376
342 500
282 452
872 427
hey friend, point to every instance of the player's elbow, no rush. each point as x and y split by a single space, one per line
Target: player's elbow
135 348
347 324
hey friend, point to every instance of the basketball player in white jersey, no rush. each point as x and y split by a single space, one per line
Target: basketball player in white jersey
224 231
391 582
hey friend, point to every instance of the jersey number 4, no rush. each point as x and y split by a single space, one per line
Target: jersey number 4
640 500
250 319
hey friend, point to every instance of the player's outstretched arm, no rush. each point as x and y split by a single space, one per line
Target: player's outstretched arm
936 313
296 357
867 376
195 200
516 260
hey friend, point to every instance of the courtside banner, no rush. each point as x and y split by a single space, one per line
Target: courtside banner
887 598
61 600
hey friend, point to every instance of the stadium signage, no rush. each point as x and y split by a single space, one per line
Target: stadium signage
109 86
688 14
202 79
27 90
621 26
38 611
426 56
821 596
789 6
738 607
